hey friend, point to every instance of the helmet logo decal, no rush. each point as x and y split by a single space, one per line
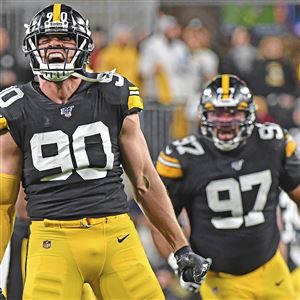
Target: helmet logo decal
56 12
225 86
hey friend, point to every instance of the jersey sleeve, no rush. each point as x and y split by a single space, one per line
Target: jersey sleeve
131 99
11 109
290 177
3 123
169 168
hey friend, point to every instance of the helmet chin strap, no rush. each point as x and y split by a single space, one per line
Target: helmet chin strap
95 77
57 76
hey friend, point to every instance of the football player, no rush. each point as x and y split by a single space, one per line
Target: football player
290 237
228 178
66 135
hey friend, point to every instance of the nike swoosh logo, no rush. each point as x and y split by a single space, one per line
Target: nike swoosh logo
120 240
278 283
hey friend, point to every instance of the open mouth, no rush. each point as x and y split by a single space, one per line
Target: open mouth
226 132
225 136
55 58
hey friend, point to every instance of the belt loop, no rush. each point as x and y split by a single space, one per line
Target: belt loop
50 223
84 222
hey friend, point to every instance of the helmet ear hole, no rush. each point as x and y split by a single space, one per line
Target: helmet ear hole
227 95
59 20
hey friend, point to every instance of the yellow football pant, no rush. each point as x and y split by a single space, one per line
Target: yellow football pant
104 252
272 281
296 282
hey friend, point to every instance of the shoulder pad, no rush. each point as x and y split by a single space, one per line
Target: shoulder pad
269 131
129 92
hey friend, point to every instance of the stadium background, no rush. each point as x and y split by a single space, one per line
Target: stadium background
163 121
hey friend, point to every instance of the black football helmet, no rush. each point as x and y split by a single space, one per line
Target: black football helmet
227 95
58 19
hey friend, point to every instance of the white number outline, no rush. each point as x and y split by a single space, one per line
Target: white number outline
234 203
12 99
40 139
269 131
49 17
189 145
63 158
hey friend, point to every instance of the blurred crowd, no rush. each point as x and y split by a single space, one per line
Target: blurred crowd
173 63
171 66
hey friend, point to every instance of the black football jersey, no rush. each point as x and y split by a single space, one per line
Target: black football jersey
71 155
231 197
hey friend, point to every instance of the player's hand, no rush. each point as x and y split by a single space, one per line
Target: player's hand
2 297
192 267
190 286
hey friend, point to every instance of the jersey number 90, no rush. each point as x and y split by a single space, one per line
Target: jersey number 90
62 159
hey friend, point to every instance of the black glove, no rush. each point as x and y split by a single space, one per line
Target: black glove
190 286
192 267
1 295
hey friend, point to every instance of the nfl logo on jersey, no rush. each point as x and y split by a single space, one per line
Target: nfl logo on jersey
67 111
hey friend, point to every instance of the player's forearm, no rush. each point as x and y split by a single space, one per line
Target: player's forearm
160 242
158 208
7 218
9 187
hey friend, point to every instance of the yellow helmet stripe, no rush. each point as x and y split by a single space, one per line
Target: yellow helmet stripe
56 12
225 86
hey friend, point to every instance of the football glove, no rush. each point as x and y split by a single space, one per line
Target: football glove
187 285
192 267
2 297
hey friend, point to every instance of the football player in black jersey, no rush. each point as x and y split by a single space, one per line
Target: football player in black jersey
66 136
228 178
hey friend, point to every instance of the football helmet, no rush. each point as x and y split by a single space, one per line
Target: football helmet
59 20
227 112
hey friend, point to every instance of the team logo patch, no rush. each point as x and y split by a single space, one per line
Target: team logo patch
47 244
237 165
67 111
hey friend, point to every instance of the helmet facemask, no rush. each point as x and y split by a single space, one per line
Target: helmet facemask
74 59
227 120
